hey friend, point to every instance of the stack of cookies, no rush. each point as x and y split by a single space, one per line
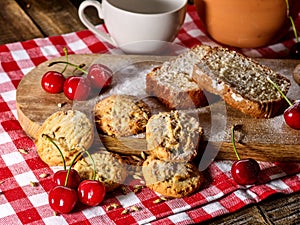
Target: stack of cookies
172 139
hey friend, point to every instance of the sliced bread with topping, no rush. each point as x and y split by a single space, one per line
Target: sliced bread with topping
241 82
172 84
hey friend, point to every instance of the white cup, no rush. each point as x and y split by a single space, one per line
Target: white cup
137 26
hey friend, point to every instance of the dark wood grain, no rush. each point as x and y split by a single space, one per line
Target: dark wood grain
54 17
275 210
91 13
15 24
251 215
280 210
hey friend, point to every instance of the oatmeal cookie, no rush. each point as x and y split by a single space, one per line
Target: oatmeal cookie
72 132
173 136
121 115
110 169
173 179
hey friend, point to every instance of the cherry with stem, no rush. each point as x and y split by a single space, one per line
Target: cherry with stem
60 177
98 74
62 199
91 192
292 113
244 171
53 81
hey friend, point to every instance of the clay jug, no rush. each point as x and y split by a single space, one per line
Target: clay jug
244 23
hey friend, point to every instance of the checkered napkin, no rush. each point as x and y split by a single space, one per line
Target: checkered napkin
20 203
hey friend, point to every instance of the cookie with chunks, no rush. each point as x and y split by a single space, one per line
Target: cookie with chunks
172 179
173 136
121 115
71 131
110 169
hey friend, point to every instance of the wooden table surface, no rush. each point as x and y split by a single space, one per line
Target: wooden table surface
22 20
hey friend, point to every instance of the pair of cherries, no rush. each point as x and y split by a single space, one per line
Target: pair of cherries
70 189
245 171
79 88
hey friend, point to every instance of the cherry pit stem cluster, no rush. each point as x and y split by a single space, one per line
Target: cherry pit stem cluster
77 87
69 189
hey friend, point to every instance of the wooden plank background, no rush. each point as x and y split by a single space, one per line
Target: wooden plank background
22 20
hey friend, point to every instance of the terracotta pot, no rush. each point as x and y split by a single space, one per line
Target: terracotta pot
244 23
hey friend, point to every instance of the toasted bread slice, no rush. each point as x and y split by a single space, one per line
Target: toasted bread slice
241 82
172 84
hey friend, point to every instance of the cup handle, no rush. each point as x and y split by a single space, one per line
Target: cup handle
89 25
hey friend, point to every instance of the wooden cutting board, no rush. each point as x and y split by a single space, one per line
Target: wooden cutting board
261 139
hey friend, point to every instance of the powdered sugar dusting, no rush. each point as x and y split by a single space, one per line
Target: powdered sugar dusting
131 79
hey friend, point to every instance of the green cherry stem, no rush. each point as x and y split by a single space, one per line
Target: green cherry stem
278 89
69 170
68 63
94 165
294 28
79 66
233 142
67 59
60 152
291 19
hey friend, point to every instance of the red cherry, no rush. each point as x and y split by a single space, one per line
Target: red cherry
73 181
53 82
100 76
77 88
91 192
62 199
245 171
292 115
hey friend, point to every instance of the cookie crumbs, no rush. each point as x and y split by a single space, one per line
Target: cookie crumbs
43 175
125 212
159 200
112 206
23 151
33 184
135 208
61 104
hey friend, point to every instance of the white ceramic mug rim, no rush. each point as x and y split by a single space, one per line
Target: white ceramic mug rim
184 3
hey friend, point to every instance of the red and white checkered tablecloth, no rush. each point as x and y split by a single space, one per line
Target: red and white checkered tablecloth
20 203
